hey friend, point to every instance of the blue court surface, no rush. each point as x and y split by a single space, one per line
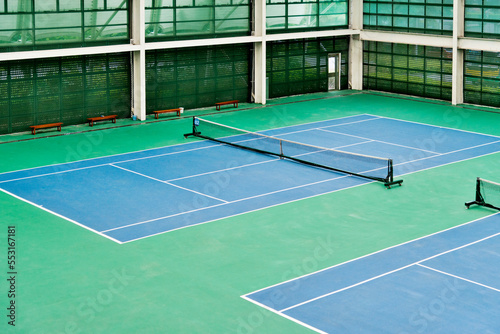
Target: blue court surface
443 283
202 181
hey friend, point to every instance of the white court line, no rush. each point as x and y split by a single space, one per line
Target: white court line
443 154
459 277
435 126
305 130
170 184
370 254
284 315
223 170
158 155
255 210
54 173
262 162
235 201
390 272
241 199
163 147
166 217
379 141
60 216
328 120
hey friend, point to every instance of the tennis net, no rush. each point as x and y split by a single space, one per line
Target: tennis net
487 194
373 168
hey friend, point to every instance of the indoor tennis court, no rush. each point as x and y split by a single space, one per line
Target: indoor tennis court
202 181
118 234
249 167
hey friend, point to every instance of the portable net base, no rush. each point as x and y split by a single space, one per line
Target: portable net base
372 168
487 194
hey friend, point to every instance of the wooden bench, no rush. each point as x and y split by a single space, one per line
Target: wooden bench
45 126
233 102
101 118
158 112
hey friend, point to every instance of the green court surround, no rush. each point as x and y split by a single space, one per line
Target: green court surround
71 280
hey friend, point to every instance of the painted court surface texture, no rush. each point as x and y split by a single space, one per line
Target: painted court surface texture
321 251
202 181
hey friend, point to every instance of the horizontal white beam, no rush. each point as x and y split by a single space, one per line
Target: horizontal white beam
201 42
407 38
311 34
492 45
68 52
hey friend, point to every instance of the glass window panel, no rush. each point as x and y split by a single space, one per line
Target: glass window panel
18 6
384 21
417 10
492 13
231 13
193 28
473 13
276 10
435 24
67 5
401 9
93 4
65 35
434 11
105 17
46 6
301 9
194 14
473 27
448 12
110 32
232 25
116 4
401 21
184 3
57 20
332 20
491 3
491 27
385 9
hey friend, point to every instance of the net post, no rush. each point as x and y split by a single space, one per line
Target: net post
479 197
194 133
389 180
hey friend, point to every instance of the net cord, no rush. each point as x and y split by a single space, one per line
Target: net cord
489 182
388 181
294 142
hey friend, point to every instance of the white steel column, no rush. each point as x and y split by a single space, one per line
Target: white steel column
457 95
356 45
259 86
138 32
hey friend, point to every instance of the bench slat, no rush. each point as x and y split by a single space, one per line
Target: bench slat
158 112
91 120
45 126
233 102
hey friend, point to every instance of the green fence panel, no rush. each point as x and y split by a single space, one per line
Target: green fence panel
408 69
66 89
300 66
482 78
197 77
